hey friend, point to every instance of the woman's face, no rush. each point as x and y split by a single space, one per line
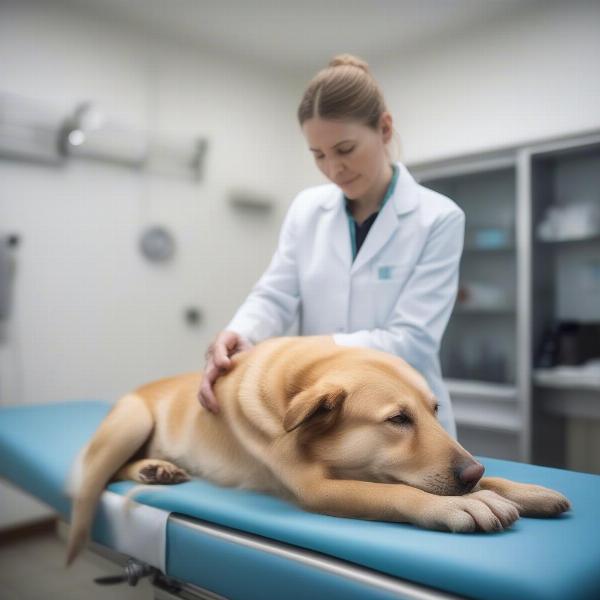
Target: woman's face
350 154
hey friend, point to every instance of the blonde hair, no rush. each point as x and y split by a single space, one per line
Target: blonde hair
344 91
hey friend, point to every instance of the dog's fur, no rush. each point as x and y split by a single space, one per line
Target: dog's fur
343 431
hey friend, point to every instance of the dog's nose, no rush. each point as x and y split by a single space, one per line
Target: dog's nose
470 473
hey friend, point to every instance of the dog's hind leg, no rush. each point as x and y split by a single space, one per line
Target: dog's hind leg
152 470
119 437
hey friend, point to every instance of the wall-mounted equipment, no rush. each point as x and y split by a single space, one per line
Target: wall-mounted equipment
88 133
157 244
250 201
29 130
177 158
193 316
8 265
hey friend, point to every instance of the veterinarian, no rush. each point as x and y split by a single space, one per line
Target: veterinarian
371 258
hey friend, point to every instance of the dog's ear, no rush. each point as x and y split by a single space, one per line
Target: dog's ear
308 403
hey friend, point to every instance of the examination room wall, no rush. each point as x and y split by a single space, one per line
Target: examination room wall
87 303
91 318
527 76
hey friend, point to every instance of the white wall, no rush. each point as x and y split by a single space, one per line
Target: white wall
527 76
91 318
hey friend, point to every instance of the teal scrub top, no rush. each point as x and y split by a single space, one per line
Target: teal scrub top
354 225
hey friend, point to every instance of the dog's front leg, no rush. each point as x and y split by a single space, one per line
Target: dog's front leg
531 500
315 491
484 511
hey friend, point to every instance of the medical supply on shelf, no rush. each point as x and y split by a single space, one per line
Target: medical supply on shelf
579 220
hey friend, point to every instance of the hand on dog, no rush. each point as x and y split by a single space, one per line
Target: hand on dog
218 362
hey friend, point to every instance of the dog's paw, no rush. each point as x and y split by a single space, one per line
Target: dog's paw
161 471
537 501
479 511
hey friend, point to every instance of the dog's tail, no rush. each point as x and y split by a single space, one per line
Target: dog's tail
119 437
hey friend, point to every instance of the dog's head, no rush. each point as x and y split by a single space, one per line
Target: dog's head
374 418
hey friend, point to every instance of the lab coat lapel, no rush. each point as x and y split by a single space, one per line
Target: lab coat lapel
338 231
388 221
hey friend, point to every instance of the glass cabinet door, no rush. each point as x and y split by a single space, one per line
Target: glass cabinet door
565 188
479 344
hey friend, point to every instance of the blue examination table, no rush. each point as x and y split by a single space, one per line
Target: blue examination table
213 542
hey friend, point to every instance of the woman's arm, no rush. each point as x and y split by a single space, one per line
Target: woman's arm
268 311
416 324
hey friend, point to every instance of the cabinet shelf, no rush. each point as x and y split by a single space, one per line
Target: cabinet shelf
514 288
575 240
484 310
474 250
570 381
506 425
482 390
485 406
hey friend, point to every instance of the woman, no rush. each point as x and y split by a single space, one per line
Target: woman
371 259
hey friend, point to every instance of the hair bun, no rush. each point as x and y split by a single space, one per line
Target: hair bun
342 60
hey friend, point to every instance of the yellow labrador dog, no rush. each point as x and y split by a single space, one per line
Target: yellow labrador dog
344 431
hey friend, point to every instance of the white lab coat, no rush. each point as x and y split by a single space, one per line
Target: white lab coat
396 296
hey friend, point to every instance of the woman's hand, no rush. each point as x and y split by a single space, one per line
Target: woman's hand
218 362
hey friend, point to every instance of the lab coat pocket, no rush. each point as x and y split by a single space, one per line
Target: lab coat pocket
387 290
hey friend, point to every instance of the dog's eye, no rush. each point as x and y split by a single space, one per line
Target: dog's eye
401 419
